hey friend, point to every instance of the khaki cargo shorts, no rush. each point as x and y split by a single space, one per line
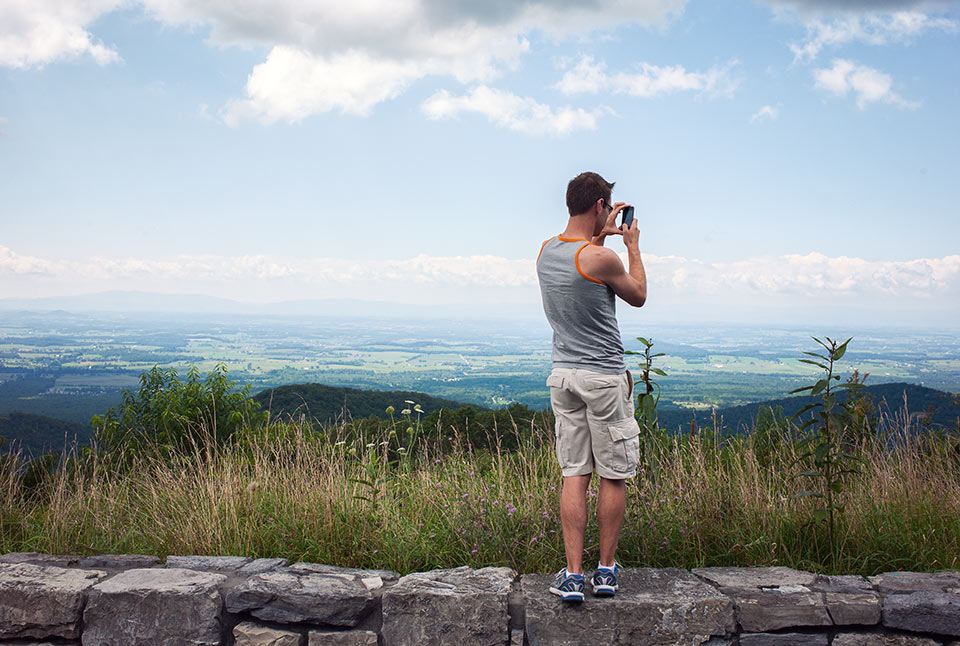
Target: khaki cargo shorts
596 429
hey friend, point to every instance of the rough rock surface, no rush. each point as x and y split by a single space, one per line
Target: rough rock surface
223 564
320 568
251 634
345 638
921 602
289 596
119 561
850 599
156 606
460 606
769 598
877 639
43 601
259 566
35 558
783 639
652 606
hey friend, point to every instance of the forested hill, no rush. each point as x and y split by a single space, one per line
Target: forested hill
37 434
328 403
941 409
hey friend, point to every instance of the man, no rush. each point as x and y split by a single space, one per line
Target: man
591 390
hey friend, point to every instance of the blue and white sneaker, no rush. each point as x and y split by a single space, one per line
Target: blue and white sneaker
568 587
604 582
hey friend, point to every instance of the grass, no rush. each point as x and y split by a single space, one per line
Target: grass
331 497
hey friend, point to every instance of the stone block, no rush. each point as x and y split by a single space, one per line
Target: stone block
250 634
879 639
285 595
783 639
923 611
770 598
259 566
320 568
653 606
43 601
155 606
460 606
921 602
36 558
906 582
222 564
342 638
119 561
850 599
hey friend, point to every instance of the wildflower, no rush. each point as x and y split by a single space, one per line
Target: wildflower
437 461
408 401
473 551
405 411
390 410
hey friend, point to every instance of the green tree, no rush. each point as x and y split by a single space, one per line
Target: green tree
167 414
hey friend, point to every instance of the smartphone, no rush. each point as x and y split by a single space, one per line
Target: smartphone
627 220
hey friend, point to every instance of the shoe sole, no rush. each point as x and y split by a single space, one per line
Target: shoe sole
605 590
568 595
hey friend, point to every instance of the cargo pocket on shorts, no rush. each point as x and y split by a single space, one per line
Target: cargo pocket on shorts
625 444
561 440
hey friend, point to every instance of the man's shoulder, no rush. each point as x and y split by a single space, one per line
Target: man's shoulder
600 255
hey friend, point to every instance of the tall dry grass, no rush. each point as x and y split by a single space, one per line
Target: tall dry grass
289 491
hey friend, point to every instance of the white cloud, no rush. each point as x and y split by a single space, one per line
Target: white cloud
36 32
293 84
506 110
869 85
804 275
767 112
590 77
328 55
867 27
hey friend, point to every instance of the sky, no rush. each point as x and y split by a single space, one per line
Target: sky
789 160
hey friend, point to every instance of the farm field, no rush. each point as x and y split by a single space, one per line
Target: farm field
66 365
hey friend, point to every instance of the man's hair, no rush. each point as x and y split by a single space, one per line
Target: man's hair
584 190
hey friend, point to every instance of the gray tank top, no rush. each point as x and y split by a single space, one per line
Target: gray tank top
580 309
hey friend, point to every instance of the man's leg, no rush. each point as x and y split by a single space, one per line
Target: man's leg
611 504
573 519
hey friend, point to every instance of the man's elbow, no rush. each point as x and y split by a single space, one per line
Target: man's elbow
637 300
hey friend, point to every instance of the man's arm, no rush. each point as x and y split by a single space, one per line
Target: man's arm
605 265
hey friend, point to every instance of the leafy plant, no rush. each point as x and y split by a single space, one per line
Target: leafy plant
166 414
647 401
827 460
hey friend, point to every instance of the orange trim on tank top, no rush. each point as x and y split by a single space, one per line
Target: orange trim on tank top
541 248
576 261
572 239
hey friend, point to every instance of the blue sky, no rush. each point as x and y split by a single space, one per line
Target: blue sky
786 159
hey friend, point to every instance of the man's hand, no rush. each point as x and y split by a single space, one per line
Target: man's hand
611 228
631 236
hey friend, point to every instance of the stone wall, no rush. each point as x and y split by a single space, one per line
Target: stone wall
128 600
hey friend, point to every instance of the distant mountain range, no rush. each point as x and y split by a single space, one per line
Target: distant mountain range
35 434
937 407
135 301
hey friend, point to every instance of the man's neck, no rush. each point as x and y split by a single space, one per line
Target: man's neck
579 227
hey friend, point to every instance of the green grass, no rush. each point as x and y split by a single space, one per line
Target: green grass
323 496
